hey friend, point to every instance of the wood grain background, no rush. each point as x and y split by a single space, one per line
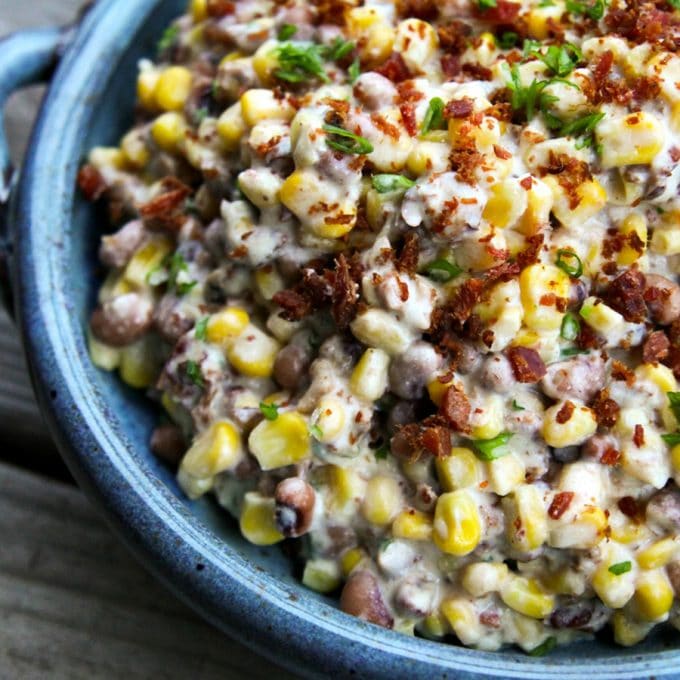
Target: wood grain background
73 602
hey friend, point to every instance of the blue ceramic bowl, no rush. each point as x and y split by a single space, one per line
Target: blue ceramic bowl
102 428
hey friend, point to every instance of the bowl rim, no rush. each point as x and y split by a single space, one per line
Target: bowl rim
303 634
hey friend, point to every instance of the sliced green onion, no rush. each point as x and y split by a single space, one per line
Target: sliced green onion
383 184
486 4
338 49
490 449
575 269
620 568
354 71
168 39
572 351
194 373
443 270
359 145
672 438
299 63
545 647
434 116
269 411
674 400
286 32
585 125
201 330
571 327
516 406
508 40
382 452
316 432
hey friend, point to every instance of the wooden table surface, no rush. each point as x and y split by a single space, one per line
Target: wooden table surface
73 602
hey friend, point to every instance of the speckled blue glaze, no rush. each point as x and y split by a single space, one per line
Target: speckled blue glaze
102 428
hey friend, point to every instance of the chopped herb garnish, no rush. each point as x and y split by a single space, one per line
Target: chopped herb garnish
573 268
545 647
560 59
443 270
486 4
200 115
672 438
382 452
434 116
316 432
357 145
530 46
582 127
516 406
194 373
674 400
674 3
620 568
594 11
168 39
269 411
299 63
286 32
572 351
338 49
354 71
571 327
546 3
177 279
383 184
201 329
490 449
508 40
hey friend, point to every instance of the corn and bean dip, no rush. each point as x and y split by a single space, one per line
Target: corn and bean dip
403 277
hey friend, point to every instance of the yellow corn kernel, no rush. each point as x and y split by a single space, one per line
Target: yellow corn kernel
539 205
615 590
173 88
591 195
350 559
482 578
459 470
199 10
624 531
147 258
369 377
378 328
581 425
658 554
463 619
488 423
665 241
103 157
428 156
268 281
412 524
346 486
253 353
138 365
265 61
634 139
675 458
146 87
600 316
633 224
231 127
434 626
527 597
628 632
104 357
258 105
382 500
505 474
564 582
457 524
226 325
258 524
659 375
416 41
135 150
213 451
527 525
541 21
536 281
506 204
321 575
653 596
168 130
436 389
280 442
329 417
372 32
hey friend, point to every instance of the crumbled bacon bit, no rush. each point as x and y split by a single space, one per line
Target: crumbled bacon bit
642 22
220 8
606 410
530 254
565 413
459 108
453 37
344 299
91 182
385 126
506 271
639 436
656 347
394 68
455 407
588 338
465 159
527 365
610 457
450 64
560 504
504 12
621 372
436 440
164 211
477 71
408 118
426 10
571 173
625 294
410 252
629 507
501 153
